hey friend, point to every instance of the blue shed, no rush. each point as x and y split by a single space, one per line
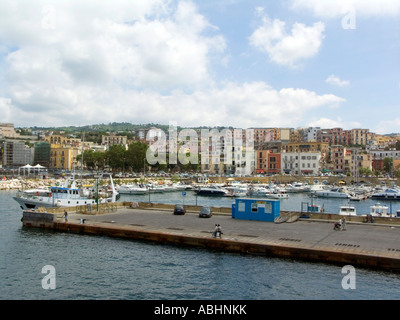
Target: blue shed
256 209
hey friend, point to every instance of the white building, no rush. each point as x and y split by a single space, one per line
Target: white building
382 154
300 163
310 134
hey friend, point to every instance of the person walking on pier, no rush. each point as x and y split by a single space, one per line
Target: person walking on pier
344 224
66 216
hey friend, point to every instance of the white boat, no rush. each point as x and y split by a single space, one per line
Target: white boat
333 193
387 194
272 193
259 191
62 196
180 186
278 194
236 191
379 210
348 211
132 189
317 187
297 187
155 188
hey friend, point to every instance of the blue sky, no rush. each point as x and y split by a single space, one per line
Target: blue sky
291 63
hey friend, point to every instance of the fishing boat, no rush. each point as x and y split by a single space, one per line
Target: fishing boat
347 211
61 196
379 210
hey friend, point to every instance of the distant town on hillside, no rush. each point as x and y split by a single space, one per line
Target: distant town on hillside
308 151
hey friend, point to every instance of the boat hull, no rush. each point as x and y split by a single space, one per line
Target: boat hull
211 193
327 194
383 197
26 203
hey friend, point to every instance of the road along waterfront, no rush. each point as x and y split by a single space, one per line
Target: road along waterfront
105 268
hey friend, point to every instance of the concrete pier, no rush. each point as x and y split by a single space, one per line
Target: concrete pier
373 245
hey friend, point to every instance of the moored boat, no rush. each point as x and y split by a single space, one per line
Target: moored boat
333 193
387 194
348 211
132 189
211 191
61 196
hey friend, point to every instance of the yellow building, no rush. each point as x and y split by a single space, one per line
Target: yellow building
62 141
63 157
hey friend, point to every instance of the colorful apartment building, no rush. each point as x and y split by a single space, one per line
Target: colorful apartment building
63 157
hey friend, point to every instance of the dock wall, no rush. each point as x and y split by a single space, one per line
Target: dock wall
315 254
235 246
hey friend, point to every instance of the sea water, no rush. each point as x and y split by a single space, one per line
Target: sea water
94 267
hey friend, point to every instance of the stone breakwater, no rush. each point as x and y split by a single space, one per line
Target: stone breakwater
18 184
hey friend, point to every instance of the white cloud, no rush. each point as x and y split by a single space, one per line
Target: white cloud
141 62
241 105
142 44
5 109
388 126
339 8
326 123
336 81
285 48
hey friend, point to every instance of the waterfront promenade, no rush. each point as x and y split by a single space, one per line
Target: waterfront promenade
362 244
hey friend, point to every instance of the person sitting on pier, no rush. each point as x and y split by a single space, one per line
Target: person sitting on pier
217 229
338 225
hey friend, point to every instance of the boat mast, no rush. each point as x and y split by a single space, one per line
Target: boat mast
83 148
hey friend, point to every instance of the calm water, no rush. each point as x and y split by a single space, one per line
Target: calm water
89 267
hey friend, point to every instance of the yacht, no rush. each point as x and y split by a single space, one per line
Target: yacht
298 187
236 191
62 196
333 193
131 189
387 194
278 194
211 191
259 191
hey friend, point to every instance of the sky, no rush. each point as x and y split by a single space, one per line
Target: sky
239 63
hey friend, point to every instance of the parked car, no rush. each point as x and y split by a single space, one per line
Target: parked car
205 212
179 209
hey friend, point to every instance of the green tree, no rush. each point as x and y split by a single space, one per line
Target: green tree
388 164
136 155
116 157
365 171
92 160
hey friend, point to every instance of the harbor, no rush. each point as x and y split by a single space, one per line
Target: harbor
292 221
309 238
